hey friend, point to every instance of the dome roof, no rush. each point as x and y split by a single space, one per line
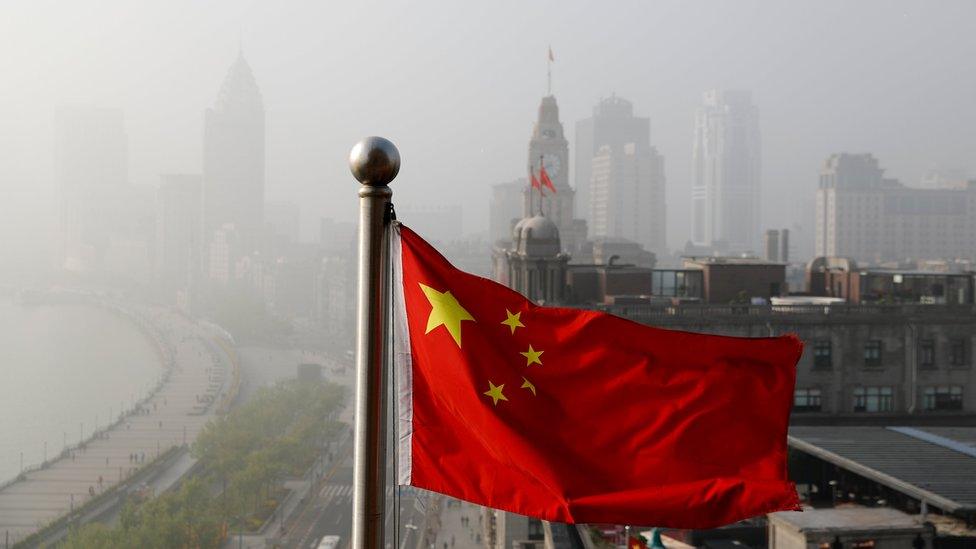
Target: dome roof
536 236
538 227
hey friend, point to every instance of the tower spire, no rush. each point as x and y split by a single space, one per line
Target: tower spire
551 58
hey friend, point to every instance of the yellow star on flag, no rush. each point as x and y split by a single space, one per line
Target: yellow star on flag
532 356
446 311
495 392
526 384
513 320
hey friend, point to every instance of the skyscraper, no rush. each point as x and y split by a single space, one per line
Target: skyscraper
233 159
726 172
627 195
91 167
613 123
548 147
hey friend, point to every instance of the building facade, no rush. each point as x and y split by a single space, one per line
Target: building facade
867 217
726 164
234 159
627 195
548 147
613 124
535 264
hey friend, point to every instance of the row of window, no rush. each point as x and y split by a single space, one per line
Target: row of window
958 353
881 399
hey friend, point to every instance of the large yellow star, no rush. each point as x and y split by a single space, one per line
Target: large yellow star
495 392
532 356
445 310
513 320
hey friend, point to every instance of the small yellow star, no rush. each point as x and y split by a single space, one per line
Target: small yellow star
445 311
526 384
513 320
532 356
495 392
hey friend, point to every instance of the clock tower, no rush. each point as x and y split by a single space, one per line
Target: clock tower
548 147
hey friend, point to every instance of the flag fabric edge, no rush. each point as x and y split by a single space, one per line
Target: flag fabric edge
402 363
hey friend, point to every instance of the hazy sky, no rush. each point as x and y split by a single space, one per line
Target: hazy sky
456 85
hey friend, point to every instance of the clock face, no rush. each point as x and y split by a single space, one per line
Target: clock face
552 164
548 133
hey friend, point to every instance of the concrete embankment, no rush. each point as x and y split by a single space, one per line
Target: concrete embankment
198 374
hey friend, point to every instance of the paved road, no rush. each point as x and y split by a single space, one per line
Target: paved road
327 508
328 511
172 416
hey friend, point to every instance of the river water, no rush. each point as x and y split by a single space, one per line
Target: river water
63 370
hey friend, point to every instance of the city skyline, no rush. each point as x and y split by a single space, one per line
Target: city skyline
300 81
752 222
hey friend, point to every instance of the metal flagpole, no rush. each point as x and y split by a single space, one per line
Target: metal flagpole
374 161
540 183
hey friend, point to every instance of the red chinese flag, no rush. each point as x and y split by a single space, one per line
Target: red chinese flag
579 416
544 176
535 182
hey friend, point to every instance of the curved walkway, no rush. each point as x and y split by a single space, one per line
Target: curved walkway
172 416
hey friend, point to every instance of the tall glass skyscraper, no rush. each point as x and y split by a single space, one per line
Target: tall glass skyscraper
726 173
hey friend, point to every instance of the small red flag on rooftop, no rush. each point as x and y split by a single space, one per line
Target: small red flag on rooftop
579 416
544 177
535 182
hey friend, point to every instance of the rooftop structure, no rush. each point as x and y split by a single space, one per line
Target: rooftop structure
908 465
848 526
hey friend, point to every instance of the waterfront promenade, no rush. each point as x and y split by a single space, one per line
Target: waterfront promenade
199 376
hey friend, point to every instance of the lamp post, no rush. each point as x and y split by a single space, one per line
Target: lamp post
374 162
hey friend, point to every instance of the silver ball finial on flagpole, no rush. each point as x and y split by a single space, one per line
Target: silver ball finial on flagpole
374 161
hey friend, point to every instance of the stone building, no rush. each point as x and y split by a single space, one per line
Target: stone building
862 215
627 195
548 147
534 265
